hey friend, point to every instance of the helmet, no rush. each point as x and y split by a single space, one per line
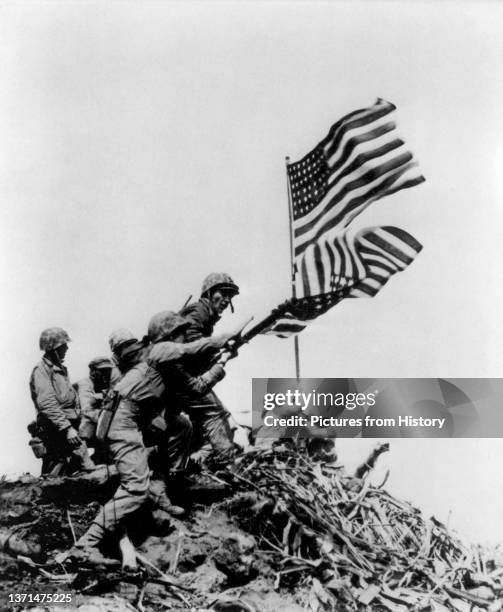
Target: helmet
53 337
100 363
120 336
219 279
164 323
129 353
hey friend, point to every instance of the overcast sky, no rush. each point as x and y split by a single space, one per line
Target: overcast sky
143 146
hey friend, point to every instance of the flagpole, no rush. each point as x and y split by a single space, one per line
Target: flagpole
292 264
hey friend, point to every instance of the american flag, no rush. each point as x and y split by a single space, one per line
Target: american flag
368 261
361 160
298 312
384 251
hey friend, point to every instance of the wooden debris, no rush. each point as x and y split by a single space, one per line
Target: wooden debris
369 594
321 523
70 524
64 578
174 561
369 464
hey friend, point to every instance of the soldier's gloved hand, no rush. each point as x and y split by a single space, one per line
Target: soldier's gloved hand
98 396
72 437
232 348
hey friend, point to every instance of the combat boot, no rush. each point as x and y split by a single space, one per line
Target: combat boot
157 493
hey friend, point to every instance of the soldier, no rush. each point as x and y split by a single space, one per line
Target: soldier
120 338
209 417
91 391
58 413
141 400
140 397
170 358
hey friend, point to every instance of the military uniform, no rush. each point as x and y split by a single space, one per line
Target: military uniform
90 404
119 339
57 410
209 417
170 360
91 392
142 394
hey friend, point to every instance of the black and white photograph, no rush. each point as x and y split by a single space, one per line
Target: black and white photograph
251 291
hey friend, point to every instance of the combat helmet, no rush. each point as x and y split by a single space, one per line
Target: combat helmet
219 280
52 338
120 337
163 324
100 363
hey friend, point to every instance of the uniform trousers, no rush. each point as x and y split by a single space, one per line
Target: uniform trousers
128 452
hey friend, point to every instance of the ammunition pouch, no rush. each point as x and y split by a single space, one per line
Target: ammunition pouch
38 448
36 443
33 428
110 405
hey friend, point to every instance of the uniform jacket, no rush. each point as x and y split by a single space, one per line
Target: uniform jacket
53 395
116 373
171 359
159 382
164 352
146 388
142 397
90 402
202 317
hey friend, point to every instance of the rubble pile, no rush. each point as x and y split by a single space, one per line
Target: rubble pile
281 531
355 544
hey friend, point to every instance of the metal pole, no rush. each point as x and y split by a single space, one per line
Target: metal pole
292 264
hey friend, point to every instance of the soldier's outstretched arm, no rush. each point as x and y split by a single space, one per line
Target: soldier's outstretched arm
195 386
163 352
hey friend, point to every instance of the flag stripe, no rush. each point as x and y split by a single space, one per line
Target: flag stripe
364 264
358 119
359 143
286 327
363 160
350 209
369 177
375 263
390 249
334 177
318 262
354 143
339 258
332 263
305 277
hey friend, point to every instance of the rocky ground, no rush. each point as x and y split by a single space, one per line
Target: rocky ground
274 531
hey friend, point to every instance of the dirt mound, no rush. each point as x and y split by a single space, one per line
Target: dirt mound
275 530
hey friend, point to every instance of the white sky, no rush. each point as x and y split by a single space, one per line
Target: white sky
143 144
